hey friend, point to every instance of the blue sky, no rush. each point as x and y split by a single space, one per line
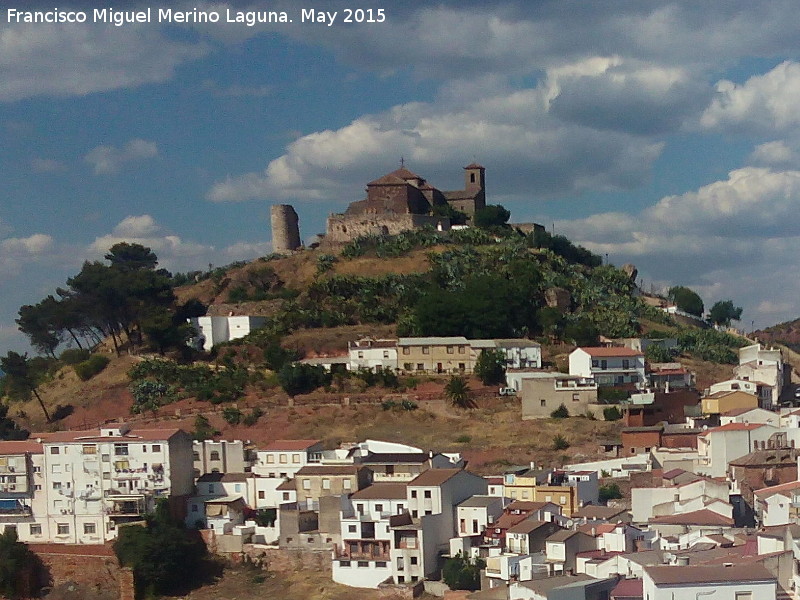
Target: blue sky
666 134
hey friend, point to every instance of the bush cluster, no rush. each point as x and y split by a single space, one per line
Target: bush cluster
91 367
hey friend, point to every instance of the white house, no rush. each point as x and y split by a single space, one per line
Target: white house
773 505
23 500
372 354
95 480
284 458
215 330
608 366
763 366
750 415
219 456
364 557
734 582
476 513
719 446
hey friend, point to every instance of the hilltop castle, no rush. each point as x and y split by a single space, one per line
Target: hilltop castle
398 201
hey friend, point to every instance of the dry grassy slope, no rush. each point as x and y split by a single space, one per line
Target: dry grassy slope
296 272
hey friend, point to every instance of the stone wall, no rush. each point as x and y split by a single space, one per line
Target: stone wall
285 561
345 228
93 566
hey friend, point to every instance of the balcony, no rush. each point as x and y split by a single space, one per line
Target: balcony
126 506
363 550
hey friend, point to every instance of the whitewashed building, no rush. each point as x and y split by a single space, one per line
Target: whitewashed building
608 366
211 331
372 354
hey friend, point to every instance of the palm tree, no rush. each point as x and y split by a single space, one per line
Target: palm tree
457 391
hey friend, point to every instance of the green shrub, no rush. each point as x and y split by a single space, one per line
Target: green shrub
612 413
232 415
560 413
302 378
73 356
91 367
560 442
609 491
253 417
610 395
464 439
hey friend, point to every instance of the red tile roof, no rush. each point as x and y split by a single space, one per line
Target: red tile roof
733 427
628 589
20 447
595 530
697 517
775 489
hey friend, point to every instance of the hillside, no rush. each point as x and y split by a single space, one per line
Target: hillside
470 283
787 334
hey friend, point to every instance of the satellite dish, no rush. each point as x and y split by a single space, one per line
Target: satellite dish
570 523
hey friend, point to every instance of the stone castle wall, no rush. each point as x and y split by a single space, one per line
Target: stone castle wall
345 228
285 228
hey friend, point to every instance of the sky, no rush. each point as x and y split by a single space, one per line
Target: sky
663 134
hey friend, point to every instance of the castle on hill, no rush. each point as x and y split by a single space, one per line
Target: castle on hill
396 202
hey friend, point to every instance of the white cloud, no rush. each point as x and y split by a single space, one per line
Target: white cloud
763 103
18 251
735 238
174 252
106 160
514 133
76 60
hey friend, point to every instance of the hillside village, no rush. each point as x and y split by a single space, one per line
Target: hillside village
689 487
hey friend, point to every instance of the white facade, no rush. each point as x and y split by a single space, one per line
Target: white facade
282 459
762 365
737 582
474 514
647 503
717 447
373 355
93 481
608 366
219 456
215 330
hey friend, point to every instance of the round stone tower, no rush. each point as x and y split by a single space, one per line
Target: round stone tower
285 230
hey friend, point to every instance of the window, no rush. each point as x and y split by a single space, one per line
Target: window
37 469
121 449
450 350
407 366
214 455
543 402
55 450
379 508
563 499
63 529
326 483
414 514
296 459
106 458
286 496
427 494
385 354
156 447
89 528
462 350
406 350
413 560
351 528
413 493
462 526
89 449
56 485
306 484
344 563
36 529
420 366
381 564
360 354
474 525
37 487
283 459
261 495
462 366
744 595
604 364
107 475
363 564
347 484
595 363
576 397
270 459
426 349
55 468
195 456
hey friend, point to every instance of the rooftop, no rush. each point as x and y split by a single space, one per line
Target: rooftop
696 517
289 445
603 351
684 575
20 447
527 526
95 435
381 491
433 477
480 501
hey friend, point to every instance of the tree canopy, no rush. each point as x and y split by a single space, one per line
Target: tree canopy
723 312
686 300
491 215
